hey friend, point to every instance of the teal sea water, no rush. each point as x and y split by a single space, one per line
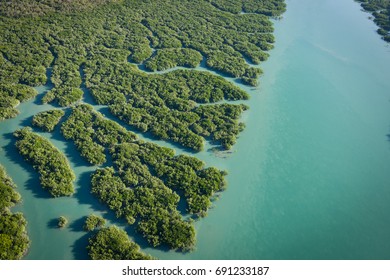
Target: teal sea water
309 177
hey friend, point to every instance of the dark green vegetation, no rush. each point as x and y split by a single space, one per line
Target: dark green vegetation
225 39
14 241
101 42
62 221
17 8
91 133
93 222
180 31
271 8
11 94
184 174
169 58
143 186
152 203
165 105
380 9
112 243
47 120
64 95
90 46
55 173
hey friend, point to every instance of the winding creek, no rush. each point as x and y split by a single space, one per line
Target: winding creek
309 176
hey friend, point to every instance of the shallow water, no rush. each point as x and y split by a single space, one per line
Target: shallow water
309 177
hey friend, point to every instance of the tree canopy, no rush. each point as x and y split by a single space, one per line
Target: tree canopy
48 120
113 243
111 49
55 173
14 241
380 9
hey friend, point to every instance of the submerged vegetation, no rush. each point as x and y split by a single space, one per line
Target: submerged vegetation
55 173
380 10
14 241
112 243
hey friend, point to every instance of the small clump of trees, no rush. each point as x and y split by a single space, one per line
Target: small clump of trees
93 222
10 97
47 120
62 222
113 243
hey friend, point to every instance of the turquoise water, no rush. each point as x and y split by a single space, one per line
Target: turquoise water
309 177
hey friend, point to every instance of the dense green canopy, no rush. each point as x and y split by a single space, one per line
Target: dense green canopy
110 49
94 222
380 9
14 241
112 243
37 35
48 120
55 173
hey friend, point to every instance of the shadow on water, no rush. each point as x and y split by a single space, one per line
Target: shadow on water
33 183
53 224
84 196
79 248
27 121
83 193
77 225
103 109
38 99
182 206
